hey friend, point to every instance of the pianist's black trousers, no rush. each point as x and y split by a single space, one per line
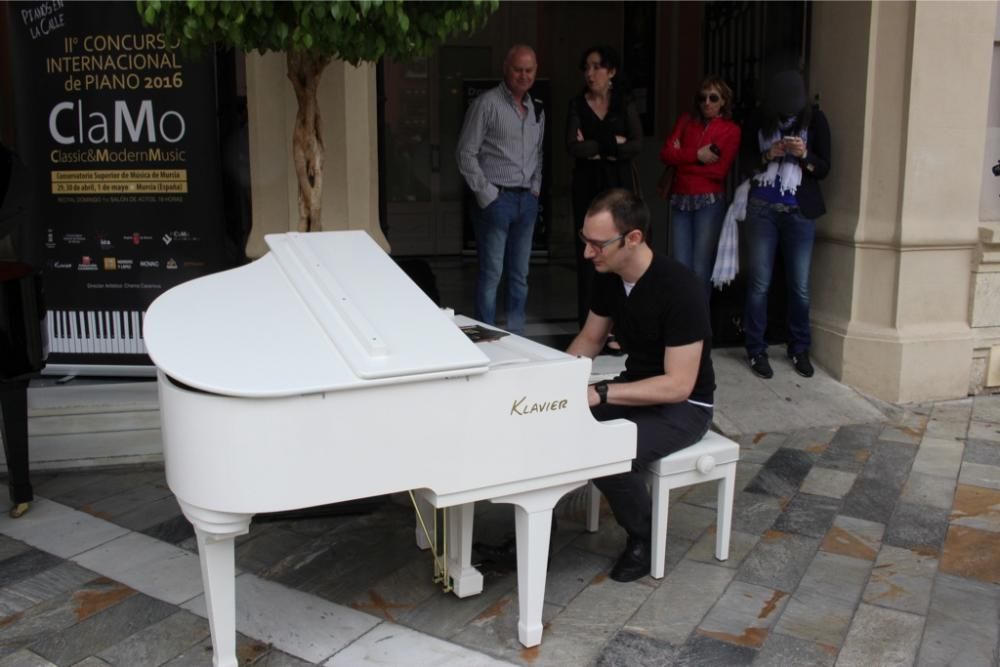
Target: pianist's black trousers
662 430
14 431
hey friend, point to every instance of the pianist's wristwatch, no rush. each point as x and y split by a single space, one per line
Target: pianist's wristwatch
602 391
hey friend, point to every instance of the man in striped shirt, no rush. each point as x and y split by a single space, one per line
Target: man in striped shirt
500 155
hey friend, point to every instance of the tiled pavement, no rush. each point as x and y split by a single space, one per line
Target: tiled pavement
863 544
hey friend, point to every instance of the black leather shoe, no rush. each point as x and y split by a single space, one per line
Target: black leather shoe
804 367
634 563
760 366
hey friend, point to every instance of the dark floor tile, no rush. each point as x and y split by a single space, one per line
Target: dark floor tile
982 451
808 515
850 447
754 513
174 530
917 527
701 651
62 611
890 463
102 630
783 473
783 651
870 500
10 547
628 649
26 564
92 487
778 560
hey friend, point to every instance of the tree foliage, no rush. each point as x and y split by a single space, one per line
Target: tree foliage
351 30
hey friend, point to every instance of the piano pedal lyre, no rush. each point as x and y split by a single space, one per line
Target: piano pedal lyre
430 536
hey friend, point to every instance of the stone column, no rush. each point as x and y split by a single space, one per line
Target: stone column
891 276
347 104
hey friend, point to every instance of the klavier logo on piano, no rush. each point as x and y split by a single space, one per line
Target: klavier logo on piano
522 407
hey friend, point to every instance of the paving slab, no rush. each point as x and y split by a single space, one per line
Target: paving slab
937 456
821 608
59 530
969 552
740 544
961 626
778 560
850 448
744 615
857 538
918 527
883 637
977 474
627 649
159 642
578 635
981 451
389 644
901 579
25 658
782 474
808 514
977 507
989 430
986 407
101 630
679 604
870 500
295 622
701 651
783 651
932 490
828 482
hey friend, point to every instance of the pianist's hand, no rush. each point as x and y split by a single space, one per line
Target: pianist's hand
592 397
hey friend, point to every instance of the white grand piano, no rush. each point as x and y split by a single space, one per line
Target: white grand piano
320 373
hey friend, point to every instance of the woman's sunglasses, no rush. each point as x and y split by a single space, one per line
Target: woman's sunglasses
713 98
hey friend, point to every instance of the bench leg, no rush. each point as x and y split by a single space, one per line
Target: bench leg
661 505
727 493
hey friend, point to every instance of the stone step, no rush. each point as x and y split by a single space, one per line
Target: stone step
92 424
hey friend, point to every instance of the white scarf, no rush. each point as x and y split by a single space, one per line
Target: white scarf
788 171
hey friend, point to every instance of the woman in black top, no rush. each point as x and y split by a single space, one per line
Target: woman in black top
603 133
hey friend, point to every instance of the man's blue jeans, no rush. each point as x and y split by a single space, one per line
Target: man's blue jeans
504 230
694 239
765 229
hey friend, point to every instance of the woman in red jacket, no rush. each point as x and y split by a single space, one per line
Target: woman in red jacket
701 148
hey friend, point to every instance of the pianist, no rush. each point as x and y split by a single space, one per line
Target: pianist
660 315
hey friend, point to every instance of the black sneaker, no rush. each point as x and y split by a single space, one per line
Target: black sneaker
800 360
760 366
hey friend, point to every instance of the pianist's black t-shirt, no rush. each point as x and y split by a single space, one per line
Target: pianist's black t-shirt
666 308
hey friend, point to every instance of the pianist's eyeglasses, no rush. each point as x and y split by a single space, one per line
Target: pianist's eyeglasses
599 246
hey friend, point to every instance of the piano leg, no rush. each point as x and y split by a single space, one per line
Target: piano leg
216 533
465 579
533 525
14 425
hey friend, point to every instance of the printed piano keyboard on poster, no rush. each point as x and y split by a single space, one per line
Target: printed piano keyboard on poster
96 331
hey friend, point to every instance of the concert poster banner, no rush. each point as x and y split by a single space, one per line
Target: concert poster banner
118 133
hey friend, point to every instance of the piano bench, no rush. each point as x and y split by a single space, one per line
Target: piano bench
713 458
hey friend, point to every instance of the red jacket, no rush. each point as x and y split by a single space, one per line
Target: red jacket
692 177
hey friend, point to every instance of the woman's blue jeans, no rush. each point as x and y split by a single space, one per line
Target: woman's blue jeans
765 229
694 239
504 230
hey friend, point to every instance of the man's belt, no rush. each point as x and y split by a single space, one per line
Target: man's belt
504 188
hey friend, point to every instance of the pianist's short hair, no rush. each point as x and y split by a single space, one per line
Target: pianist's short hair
626 209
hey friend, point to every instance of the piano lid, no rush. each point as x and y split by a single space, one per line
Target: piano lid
322 311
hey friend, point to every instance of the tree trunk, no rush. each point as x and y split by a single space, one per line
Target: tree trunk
304 71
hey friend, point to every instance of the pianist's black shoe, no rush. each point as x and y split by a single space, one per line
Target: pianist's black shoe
502 558
634 563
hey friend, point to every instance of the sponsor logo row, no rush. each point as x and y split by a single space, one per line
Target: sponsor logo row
109 241
88 263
